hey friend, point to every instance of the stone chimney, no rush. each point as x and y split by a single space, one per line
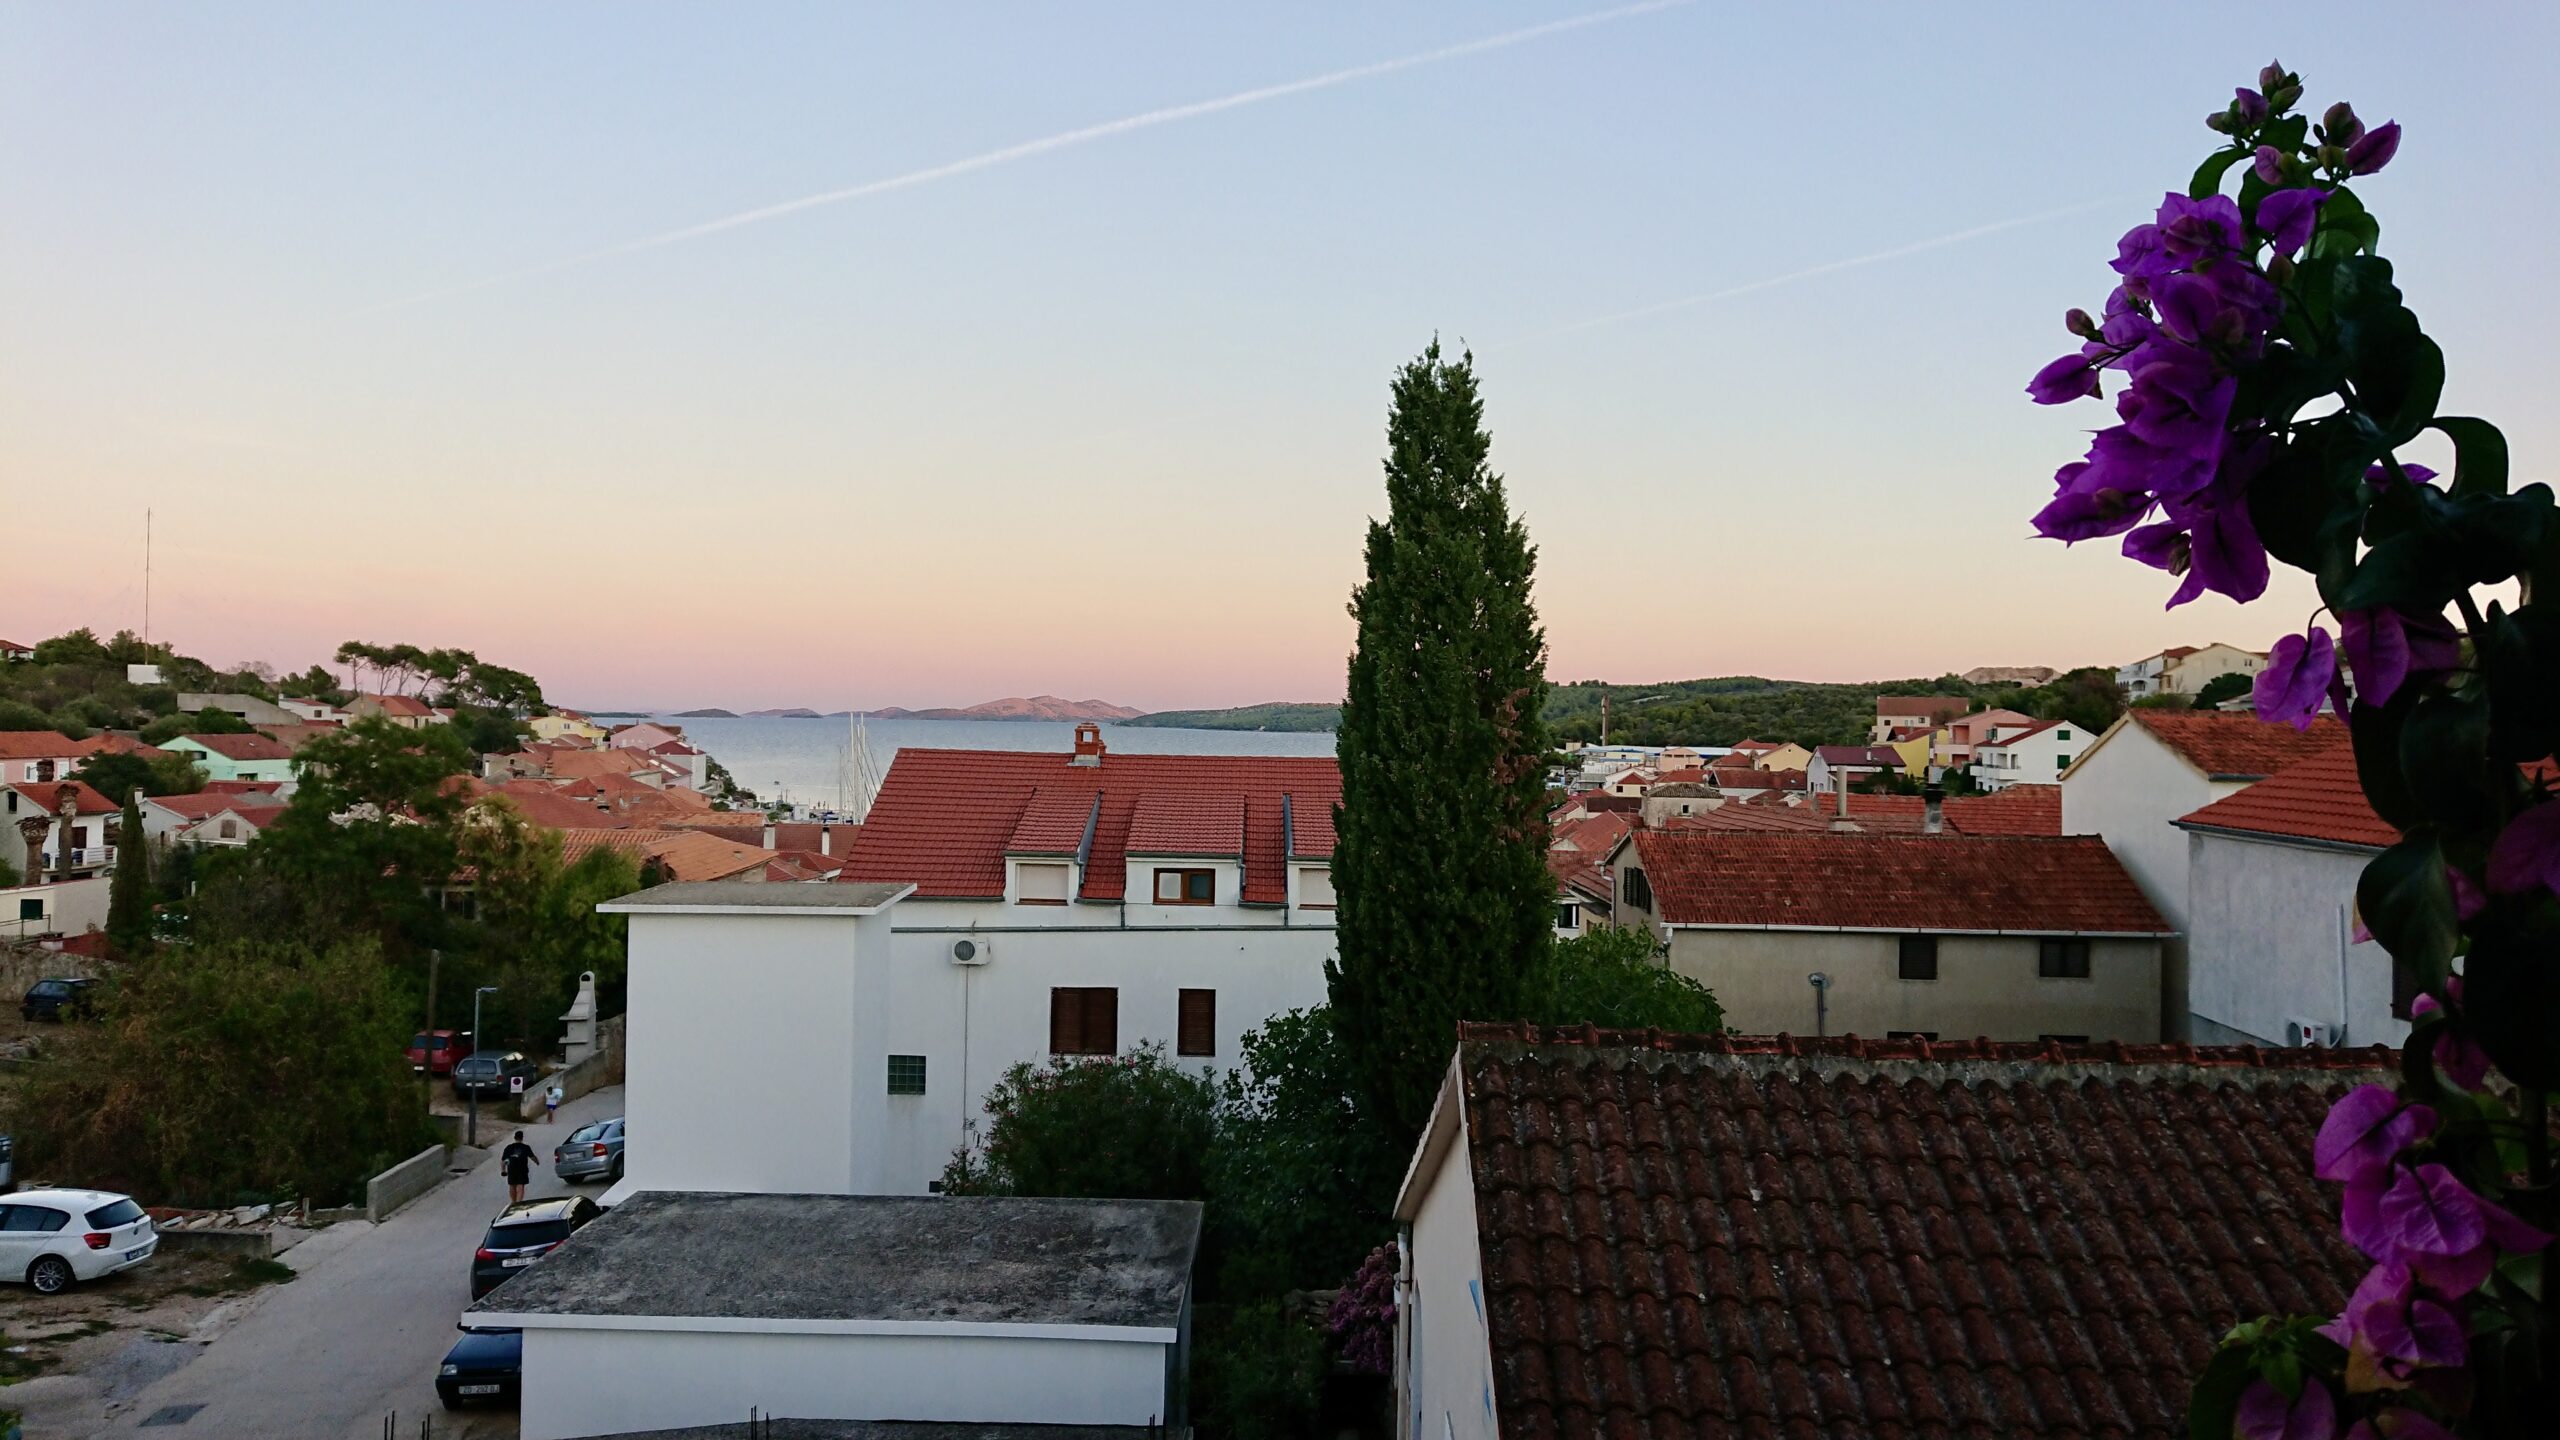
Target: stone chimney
1088 744
1933 809
68 806
33 829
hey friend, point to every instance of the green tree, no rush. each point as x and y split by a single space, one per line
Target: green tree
1133 1127
1613 977
1445 902
1303 1174
2220 688
129 890
116 775
2088 697
19 715
80 647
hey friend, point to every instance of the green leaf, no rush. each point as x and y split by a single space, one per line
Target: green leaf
2444 751
2214 1405
2375 733
2511 994
2208 176
2285 134
2407 903
2410 569
2480 455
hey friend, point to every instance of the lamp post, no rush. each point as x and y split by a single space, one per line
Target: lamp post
1821 984
471 1135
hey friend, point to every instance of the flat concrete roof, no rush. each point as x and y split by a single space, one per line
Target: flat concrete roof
758 897
859 1263
894 1430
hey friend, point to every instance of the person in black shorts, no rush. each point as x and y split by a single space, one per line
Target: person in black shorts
518 1160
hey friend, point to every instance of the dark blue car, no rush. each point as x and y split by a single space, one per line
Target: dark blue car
483 1368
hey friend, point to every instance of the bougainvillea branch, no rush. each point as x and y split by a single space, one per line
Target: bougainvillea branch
2267 378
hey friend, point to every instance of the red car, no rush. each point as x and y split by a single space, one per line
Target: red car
433 1052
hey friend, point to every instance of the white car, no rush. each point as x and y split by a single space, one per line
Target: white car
54 1239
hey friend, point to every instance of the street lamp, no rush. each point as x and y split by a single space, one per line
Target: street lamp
471 1134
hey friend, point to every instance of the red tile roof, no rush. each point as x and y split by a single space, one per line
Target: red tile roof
46 745
1310 826
2018 810
45 796
1854 755
1055 820
203 803
1168 823
241 787
1761 779
401 707
2317 799
252 746
1692 776
2043 885
943 817
1933 706
2235 745
1726 1236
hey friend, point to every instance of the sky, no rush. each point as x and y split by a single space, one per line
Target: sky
832 355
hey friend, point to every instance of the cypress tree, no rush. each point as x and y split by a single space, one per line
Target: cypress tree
1445 904
129 892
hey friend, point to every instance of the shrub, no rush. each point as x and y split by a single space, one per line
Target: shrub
1131 1127
1303 1176
1612 978
1257 1372
1362 1320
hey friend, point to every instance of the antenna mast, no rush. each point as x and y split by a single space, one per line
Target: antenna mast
146 586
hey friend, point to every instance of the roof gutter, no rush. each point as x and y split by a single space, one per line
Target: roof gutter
775 1325
2300 842
2045 933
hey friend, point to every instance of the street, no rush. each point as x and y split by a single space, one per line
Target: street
356 1337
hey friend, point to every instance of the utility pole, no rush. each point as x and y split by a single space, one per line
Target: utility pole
471 1132
427 1060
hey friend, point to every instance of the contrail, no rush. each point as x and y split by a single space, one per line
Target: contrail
987 160
1827 268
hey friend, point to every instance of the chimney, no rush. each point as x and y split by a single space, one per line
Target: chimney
33 829
1088 744
768 835
1933 809
69 805
826 836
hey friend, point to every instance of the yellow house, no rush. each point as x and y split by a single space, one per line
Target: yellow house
1783 755
1919 752
566 722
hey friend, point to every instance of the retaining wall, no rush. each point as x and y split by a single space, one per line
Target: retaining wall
404 1182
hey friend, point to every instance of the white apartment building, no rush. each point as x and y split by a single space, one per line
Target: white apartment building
2034 756
2184 669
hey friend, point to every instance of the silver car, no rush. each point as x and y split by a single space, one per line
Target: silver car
592 1152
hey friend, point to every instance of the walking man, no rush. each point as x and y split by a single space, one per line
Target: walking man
518 1160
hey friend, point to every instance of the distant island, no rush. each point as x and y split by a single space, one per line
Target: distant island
796 712
1288 715
714 713
1015 707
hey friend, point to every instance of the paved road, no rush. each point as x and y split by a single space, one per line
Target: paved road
359 1335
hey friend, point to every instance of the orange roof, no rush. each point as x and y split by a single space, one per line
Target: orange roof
588 764
2231 745
252 746
46 745
2044 885
2317 799
2018 810
47 797
405 707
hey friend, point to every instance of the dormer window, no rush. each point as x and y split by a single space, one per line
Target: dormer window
1186 887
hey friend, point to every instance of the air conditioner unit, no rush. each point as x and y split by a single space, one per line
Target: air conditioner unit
2303 1033
971 951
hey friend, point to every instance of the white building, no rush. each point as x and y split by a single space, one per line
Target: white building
2149 769
2273 956
2036 755
313 712
682 1310
2185 669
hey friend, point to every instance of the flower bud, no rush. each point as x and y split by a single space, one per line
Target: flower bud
2280 268
2339 126
2283 97
2269 163
2272 78
2219 120
2077 321
2248 106
2333 157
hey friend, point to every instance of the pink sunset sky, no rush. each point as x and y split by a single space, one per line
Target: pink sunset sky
925 357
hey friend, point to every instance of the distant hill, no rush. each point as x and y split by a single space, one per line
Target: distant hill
1017 707
796 712
1723 709
714 713
1278 715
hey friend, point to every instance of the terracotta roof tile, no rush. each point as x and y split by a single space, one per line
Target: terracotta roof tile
1859 755
1168 823
1311 827
1055 820
2315 799
2239 746
252 746
1763 779
46 745
46 797
2019 884
1779 1237
404 707
943 817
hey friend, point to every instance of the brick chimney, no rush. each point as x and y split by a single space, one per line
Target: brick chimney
1933 809
33 829
1088 744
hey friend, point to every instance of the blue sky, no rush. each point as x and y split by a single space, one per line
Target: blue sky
1105 420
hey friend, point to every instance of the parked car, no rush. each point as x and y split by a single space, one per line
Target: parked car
592 1152
484 1367
60 998
487 1074
525 1232
432 1052
8 1163
54 1239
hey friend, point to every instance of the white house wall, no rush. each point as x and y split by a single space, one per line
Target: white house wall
581 1382
2273 937
1449 1376
2128 793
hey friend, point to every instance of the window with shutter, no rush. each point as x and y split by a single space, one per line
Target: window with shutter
1084 1021
1198 1023
1040 883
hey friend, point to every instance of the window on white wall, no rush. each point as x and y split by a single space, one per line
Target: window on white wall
1041 883
1315 887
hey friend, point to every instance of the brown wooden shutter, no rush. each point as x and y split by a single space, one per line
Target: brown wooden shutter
1196 1032
1066 1022
1102 1022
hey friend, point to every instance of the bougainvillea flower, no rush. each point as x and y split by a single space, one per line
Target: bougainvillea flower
2251 106
2399 1423
2192 231
2290 690
2365 1129
2339 125
2379 476
2374 149
2073 377
2386 648
2459 1058
2287 216
2527 852
2429 1221
2179 409
2395 1317
2269 163
2265 1414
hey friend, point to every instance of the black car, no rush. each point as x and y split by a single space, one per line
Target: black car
484 1367
59 999
525 1232
489 1074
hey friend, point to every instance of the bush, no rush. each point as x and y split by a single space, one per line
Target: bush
1302 1178
1611 977
1131 1127
1363 1317
1257 1372
223 1072
19 715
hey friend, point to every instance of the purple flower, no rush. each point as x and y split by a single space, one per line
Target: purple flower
2340 126
2249 105
2527 852
2396 1319
2073 377
2365 1129
2269 163
2379 476
2265 1414
2387 647
2399 1424
2179 407
2429 1221
2137 253
2199 230
2374 148
2287 217
2296 680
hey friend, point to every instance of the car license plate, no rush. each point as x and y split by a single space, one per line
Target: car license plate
141 1251
475 1389
515 1260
